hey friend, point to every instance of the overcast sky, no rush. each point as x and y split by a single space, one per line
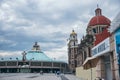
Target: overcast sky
49 22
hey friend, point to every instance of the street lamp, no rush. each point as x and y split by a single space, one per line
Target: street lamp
17 59
2 58
10 58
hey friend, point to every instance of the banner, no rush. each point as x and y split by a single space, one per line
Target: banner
117 41
101 48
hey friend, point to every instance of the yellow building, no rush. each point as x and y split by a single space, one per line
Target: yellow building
89 74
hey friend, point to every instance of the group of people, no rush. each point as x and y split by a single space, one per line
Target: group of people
57 72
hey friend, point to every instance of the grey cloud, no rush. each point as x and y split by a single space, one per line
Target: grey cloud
49 23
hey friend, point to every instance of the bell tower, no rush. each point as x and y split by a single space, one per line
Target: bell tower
72 50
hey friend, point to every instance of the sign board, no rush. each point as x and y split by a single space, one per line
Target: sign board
101 48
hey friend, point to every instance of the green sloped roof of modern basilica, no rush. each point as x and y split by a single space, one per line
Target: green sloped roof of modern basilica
37 55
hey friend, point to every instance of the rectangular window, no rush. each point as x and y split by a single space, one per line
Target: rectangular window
94 30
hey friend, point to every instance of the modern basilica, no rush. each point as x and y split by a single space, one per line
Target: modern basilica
31 61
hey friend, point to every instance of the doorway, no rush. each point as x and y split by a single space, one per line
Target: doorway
24 70
108 70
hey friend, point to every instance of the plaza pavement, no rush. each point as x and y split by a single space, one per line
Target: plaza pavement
36 76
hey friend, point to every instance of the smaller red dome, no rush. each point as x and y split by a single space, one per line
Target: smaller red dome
99 20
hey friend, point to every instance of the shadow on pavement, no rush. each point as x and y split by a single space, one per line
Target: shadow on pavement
63 77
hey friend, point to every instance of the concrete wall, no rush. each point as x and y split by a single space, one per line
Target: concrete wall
85 74
114 62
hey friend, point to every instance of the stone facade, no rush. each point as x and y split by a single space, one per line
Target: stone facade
99 50
105 64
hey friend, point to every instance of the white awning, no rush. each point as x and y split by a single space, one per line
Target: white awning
91 62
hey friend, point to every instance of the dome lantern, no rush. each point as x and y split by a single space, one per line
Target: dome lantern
73 32
36 47
98 11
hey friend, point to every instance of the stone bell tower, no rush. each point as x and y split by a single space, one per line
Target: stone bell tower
72 51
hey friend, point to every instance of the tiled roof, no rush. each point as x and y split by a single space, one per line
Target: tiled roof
99 20
37 55
30 56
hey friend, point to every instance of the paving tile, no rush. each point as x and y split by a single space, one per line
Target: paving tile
35 76
72 77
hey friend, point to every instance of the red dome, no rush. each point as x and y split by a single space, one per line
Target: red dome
99 20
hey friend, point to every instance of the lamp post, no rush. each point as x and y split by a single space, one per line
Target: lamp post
10 58
2 58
